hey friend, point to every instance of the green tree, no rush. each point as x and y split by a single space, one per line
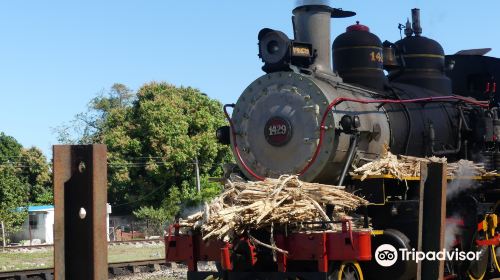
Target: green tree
30 166
155 142
35 171
25 178
153 138
87 127
10 149
13 198
157 218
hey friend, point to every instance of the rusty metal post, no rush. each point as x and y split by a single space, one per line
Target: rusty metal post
80 196
432 218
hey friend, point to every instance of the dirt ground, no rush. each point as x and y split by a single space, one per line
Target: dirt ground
176 272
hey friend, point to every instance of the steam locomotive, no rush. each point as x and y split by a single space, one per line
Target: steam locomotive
307 117
317 115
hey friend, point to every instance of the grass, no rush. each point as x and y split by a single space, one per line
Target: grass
25 260
123 253
43 258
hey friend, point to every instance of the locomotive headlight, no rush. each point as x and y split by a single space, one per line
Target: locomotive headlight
274 47
278 52
223 135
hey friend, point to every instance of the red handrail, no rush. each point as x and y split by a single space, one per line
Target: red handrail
235 143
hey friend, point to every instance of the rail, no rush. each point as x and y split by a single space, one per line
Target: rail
46 273
29 247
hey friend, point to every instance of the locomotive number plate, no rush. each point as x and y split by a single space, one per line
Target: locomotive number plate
278 131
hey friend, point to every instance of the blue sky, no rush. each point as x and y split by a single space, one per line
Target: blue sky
56 55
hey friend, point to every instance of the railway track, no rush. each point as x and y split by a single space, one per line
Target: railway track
112 243
114 269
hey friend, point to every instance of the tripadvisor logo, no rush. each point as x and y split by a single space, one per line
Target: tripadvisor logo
386 255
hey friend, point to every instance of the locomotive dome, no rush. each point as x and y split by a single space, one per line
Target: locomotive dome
358 58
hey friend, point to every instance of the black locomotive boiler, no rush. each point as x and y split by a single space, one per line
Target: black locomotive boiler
322 108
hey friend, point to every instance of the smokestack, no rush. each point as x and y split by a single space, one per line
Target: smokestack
311 24
408 29
299 3
415 18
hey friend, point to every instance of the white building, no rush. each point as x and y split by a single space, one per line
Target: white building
39 225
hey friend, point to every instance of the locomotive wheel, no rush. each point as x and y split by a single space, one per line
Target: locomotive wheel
477 269
347 271
495 253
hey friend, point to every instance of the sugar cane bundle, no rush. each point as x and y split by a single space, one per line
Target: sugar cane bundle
468 168
407 166
256 205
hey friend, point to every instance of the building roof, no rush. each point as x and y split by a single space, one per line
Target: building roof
40 208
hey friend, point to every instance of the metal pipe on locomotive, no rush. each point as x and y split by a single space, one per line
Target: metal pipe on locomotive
311 117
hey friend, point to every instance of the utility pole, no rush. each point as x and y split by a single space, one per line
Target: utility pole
3 234
198 188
